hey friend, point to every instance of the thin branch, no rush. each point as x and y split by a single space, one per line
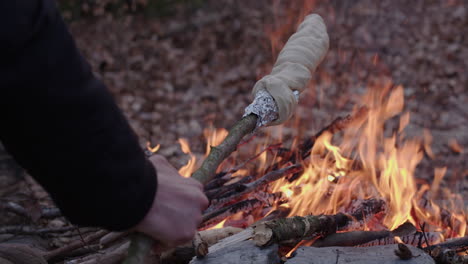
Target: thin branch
59 252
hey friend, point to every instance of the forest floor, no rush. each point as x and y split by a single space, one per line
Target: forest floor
175 75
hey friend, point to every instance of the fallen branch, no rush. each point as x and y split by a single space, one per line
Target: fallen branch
57 253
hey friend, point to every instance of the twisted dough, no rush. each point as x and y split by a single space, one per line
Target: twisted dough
300 56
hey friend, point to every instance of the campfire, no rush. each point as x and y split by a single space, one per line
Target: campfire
354 183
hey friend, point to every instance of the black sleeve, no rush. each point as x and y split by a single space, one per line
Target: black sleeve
62 125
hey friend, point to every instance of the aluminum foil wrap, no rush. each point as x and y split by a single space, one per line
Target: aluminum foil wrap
264 106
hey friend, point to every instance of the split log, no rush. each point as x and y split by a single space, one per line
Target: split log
242 253
242 206
183 254
455 243
350 255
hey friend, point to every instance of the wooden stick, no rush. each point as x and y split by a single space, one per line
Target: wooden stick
219 153
214 193
246 205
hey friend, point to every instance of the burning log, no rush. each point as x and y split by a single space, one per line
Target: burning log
447 252
456 243
294 229
355 238
406 233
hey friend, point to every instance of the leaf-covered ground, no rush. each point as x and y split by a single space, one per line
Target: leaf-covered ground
177 74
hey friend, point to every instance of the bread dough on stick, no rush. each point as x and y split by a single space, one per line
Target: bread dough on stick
300 56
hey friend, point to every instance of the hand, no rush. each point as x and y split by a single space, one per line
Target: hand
177 208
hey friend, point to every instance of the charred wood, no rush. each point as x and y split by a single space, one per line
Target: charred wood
356 238
221 214
258 184
238 186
